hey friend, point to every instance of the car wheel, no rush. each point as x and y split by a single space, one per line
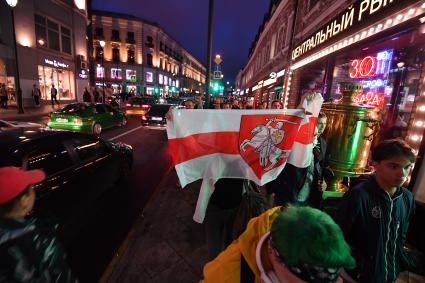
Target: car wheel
97 129
123 122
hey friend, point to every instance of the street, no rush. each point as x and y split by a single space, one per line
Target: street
97 245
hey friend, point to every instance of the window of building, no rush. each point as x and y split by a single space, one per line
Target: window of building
161 46
160 62
116 74
115 54
149 59
165 80
98 32
130 56
130 37
51 34
130 75
99 52
149 77
115 35
149 41
161 79
66 40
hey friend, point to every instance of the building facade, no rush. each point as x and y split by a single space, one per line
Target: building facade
376 44
264 74
51 47
139 57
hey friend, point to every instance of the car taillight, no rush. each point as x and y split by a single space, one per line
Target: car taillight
145 106
78 121
144 118
128 104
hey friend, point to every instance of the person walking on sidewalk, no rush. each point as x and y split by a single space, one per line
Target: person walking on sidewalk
29 252
86 96
53 95
35 93
96 95
293 244
3 96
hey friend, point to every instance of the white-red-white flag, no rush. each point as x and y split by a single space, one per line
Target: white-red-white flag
246 144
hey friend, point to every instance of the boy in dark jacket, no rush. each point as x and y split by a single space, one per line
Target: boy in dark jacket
374 217
28 252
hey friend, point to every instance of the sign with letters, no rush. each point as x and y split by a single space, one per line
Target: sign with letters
355 17
56 63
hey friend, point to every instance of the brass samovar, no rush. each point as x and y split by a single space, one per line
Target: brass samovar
350 130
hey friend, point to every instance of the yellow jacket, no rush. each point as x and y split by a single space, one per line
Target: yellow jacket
225 268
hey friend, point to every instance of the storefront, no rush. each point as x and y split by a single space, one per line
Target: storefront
268 89
58 73
381 49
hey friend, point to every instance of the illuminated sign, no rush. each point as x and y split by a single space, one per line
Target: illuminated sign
372 84
356 16
130 75
217 75
56 64
370 98
371 66
273 75
83 74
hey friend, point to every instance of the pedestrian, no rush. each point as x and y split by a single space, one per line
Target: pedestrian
375 215
264 105
86 95
96 95
53 95
276 104
294 244
303 186
36 93
29 252
3 96
226 106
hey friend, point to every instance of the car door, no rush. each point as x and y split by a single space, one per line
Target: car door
93 153
54 199
115 116
102 117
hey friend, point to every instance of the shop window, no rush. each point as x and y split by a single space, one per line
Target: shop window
100 72
130 75
130 56
149 59
99 53
165 80
115 54
161 79
116 74
66 40
149 77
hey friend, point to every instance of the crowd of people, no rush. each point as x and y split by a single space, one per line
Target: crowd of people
292 240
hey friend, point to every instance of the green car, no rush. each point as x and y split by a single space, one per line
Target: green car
86 118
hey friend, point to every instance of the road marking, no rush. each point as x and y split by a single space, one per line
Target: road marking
125 133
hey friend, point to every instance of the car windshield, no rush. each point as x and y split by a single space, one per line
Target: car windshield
159 109
74 108
142 100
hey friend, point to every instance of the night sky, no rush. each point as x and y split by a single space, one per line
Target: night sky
235 25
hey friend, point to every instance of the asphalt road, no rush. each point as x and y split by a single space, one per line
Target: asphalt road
115 213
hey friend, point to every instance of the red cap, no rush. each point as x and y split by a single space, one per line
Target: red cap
14 181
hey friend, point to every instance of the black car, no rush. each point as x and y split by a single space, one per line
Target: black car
156 115
79 169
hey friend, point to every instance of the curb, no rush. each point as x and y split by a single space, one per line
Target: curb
107 274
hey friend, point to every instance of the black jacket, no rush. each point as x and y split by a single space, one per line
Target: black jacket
30 253
290 181
375 226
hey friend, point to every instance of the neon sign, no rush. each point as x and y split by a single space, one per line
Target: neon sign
371 66
370 98
372 84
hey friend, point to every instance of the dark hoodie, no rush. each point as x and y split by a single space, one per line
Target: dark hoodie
31 253
375 225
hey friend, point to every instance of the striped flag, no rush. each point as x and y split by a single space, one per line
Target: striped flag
246 144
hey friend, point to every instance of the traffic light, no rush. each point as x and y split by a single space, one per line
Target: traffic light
216 87
156 90
173 89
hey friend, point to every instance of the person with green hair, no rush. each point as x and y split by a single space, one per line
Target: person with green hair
293 244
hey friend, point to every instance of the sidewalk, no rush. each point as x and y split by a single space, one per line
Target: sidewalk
165 244
11 113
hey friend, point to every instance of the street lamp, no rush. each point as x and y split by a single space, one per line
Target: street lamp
18 91
102 44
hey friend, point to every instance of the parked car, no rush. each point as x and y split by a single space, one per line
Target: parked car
19 124
87 118
138 105
156 115
79 169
